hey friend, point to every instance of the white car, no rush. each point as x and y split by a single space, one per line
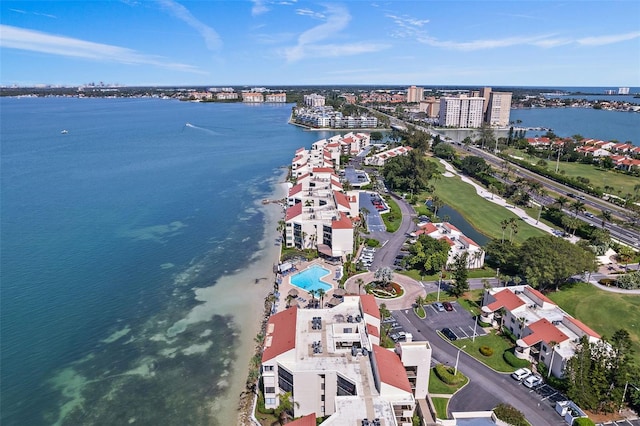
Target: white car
521 373
532 381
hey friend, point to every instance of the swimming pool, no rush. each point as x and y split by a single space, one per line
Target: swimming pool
309 279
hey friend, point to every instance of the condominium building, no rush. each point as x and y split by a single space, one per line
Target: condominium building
326 117
545 332
429 106
314 100
623 91
252 97
498 111
226 96
415 94
381 158
276 97
332 364
461 111
458 242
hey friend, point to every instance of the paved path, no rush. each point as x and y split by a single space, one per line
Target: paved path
496 199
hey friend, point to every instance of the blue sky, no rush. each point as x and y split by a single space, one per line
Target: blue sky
289 42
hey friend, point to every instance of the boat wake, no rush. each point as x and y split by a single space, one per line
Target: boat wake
204 129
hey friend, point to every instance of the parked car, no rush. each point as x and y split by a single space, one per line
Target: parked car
449 334
447 306
438 306
521 373
532 381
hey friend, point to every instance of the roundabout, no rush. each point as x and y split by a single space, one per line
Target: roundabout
411 289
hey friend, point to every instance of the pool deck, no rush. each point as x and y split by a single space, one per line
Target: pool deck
304 296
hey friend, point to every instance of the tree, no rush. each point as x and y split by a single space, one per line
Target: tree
436 203
360 283
376 136
444 150
504 224
460 274
548 262
285 407
410 172
321 294
473 166
577 207
383 275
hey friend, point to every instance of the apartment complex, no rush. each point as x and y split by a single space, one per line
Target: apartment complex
276 97
458 242
314 100
332 364
381 158
498 111
545 332
462 111
430 106
415 94
326 117
252 97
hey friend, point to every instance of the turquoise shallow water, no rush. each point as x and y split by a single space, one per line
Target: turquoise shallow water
106 231
309 279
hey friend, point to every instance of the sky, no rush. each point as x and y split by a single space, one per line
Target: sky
291 42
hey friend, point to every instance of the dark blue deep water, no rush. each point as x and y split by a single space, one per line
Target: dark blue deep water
105 233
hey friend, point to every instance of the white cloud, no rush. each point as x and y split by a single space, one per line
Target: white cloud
259 7
311 13
407 26
35 41
608 39
210 36
488 43
336 18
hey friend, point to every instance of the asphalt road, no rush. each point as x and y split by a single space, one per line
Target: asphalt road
486 388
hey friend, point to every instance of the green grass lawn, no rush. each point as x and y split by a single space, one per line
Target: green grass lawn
597 177
440 404
485 272
482 214
437 386
393 219
419 310
499 344
603 311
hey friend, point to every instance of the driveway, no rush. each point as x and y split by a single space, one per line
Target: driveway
487 388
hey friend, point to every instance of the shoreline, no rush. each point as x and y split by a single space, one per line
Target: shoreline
255 282
341 129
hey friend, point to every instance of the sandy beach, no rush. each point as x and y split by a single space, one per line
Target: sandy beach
242 296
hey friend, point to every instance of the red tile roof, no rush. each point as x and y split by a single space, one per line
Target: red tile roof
281 334
322 170
543 331
505 299
308 420
299 150
341 199
538 294
369 305
342 223
448 240
469 241
373 330
582 326
295 189
450 226
429 228
293 211
390 369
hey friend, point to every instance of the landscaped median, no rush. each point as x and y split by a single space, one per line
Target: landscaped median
492 353
439 391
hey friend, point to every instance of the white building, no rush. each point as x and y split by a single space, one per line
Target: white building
458 242
381 158
462 111
252 97
331 362
314 100
276 97
545 332
319 214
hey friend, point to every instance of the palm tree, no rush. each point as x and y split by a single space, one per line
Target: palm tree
286 405
578 207
606 217
321 294
436 202
383 275
360 283
561 201
504 224
313 296
513 226
420 300
492 188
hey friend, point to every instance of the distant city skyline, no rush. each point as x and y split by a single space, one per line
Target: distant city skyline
290 42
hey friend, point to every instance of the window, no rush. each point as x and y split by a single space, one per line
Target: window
270 401
270 389
345 387
285 380
267 368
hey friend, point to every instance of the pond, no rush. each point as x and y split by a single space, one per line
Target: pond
456 219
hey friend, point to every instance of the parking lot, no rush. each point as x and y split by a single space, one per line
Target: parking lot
458 320
633 422
374 220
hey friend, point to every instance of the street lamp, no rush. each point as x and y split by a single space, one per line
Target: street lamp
553 352
439 284
473 339
455 369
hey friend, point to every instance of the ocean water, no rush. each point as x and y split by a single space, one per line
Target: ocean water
588 122
107 232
